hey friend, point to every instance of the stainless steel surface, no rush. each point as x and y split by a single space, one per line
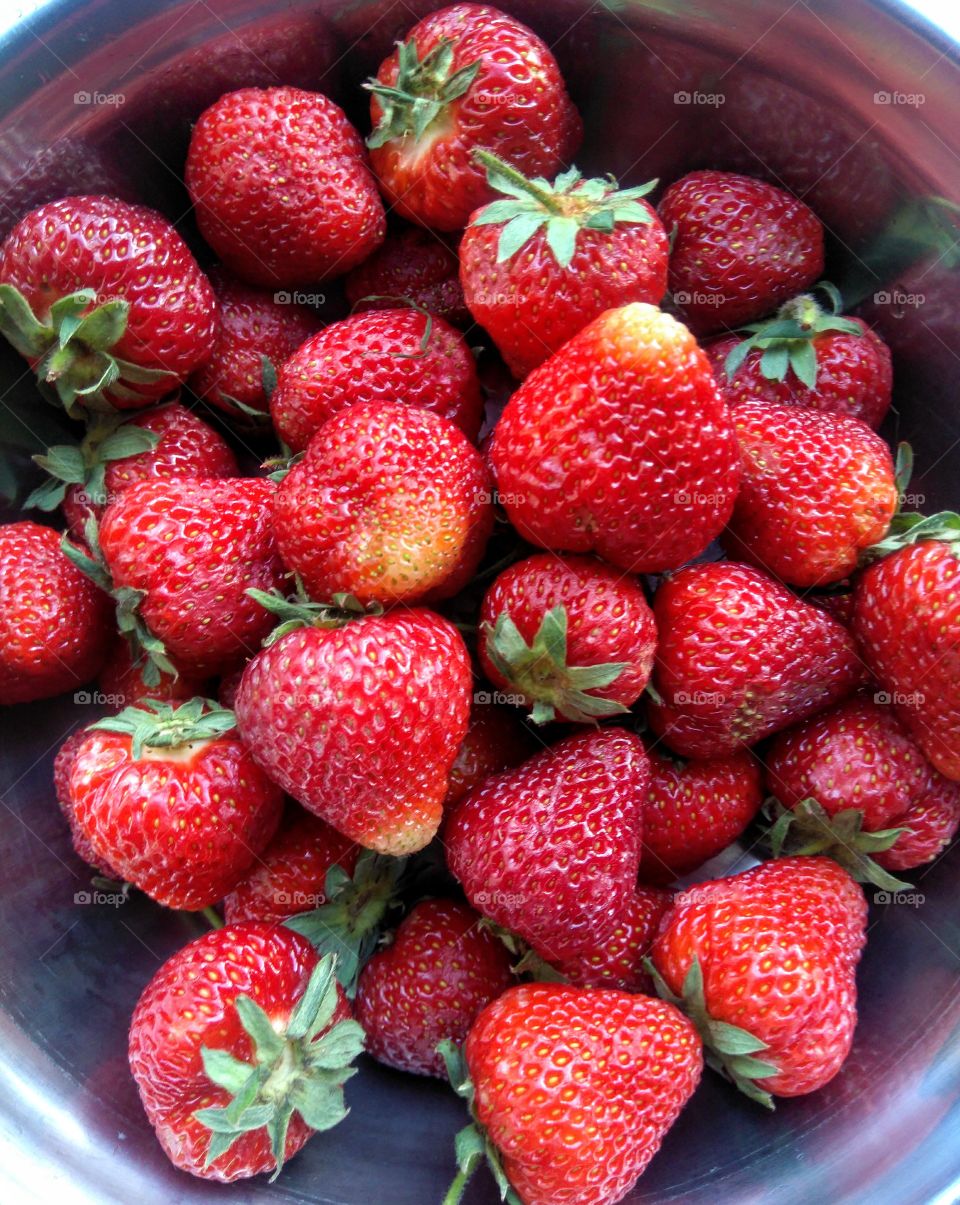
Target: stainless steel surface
799 83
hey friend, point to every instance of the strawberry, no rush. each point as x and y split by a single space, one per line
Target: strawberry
360 723
441 968
817 490
572 636
543 260
415 266
619 444
280 187
740 248
240 1046
495 740
930 824
740 657
123 678
105 301
618 961
765 962
54 623
62 769
467 77
396 355
572 1091
390 504
694 810
169 796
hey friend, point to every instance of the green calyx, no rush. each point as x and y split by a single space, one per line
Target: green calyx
808 830
423 90
153 724
72 350
300 612
727 1048
788 341
540 672
561 209
909 527
300 1069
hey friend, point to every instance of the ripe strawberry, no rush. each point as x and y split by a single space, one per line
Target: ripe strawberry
123 679
281 188
240 1046
390 504
440 970
545 259
62 769
105 301
361 723
572 636
467 77
54 623
618 962
620 445
740 248
930 824
766 964
495 740
817 489
415 266
397 355
572 1091
694 810
740 657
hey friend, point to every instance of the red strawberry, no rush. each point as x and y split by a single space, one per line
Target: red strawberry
281 188
495 740
62 769
467 77
242 1025
123 679
412 265
397 355
766 964
618 961
54 623
255 326
740 248
620 445
694 810
171 798
146 312
572 636
930 823
572 1090
361 723
545 259
390 504
440 970
740 657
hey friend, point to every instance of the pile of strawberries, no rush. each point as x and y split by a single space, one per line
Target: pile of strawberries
423 623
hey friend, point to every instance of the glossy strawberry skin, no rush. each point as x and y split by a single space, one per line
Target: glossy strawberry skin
618 962
817 490
54 623
741 247
778 946
377 357
740 657
121 680
62 769
495 740
643 473
281 187
361 724
577 1087
517 106
932 820
907 620
189 1004
440 970
413 265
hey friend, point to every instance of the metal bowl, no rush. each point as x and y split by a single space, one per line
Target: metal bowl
851 104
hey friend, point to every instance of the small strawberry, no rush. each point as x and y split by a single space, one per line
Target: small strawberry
467 77
619 444
240 1046
495 740
62 769
281 188
396 355
740 248
542 261
105 301
572 636
930 824
740 657
413 265
618 961
123 678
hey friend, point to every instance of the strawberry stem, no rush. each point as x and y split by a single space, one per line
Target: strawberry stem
494 164
212 917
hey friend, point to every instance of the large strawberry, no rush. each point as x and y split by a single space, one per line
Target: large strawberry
467 77
105 301
764 963
495 740
544 259
413 265
740 657
240 1046
620 444
281 188
740 248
